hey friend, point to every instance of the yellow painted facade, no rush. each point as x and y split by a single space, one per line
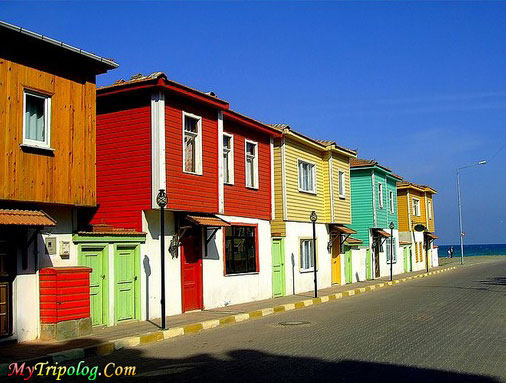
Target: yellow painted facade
407 194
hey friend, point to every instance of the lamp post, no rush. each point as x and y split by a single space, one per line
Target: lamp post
161 200
391 226
461 233
313 217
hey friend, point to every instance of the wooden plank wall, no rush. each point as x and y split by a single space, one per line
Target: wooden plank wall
65 176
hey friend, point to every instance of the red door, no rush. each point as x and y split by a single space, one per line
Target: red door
191 275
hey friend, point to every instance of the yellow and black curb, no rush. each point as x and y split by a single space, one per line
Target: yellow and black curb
155 336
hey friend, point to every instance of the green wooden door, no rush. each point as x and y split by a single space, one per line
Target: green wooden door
347 265
406 261
368 264
126 305
96 259
278 268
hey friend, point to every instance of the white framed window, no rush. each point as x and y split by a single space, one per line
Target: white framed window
251 163
307 176
380 195
391 201
429 208
228 158
416 207
342 184
36 119
388 244
192 143
306 254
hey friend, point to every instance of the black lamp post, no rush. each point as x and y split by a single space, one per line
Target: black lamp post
313 217
161 200
391 226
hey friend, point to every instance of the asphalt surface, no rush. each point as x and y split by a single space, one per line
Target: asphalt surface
450 327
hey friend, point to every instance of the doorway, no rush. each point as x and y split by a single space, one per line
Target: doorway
376 249
7 255
336 261
126 283
278 267
191 271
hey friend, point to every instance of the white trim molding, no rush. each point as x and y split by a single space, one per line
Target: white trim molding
255 164
331 181
221 175
273 199
313 171
158 167
198 143
283 179
46 144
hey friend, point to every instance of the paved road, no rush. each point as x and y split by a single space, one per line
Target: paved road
449 328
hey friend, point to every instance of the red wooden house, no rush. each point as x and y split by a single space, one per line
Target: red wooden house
216 167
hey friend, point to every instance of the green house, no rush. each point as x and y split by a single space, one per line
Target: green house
373 209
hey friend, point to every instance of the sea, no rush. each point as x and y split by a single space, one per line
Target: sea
473 250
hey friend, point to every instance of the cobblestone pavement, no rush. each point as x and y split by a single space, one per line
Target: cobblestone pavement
450 328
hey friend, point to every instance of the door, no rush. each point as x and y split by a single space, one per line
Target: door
96 259
368 264
377 241
348 271
278 268
6 275
336 261
126 292
191 273
410 258
406 262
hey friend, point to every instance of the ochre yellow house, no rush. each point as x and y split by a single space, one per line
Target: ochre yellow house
309 175
416 209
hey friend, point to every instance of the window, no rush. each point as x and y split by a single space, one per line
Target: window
388 243
391 200
429 208
342 186
228 158
416 207
251 164
192 145
36 119
306 255
307 177
240 249
380 195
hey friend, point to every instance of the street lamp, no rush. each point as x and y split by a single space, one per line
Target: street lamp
461 234
391 226
313 217
161 200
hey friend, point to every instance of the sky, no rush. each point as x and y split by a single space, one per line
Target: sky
418 86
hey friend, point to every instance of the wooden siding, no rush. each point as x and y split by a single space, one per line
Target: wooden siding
403 213
300 204
342 206
123 160
191 192
384 215
240 200
67 175
278 226
362 204
413 193
432 225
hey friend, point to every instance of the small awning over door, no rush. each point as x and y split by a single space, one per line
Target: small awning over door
382 233
207 220
342 229
430 236
33 218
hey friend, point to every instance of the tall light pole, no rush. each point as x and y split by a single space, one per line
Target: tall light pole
461 233
313 217
391 226
161 200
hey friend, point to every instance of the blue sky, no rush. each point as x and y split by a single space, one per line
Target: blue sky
418 86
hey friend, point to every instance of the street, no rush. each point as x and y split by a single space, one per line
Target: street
449 327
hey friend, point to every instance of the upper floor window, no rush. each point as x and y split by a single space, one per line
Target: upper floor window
416 207
429 208
251 164
306 255
192 143
391 201
307 177
380 195
342 185
36 119
241 249
228 158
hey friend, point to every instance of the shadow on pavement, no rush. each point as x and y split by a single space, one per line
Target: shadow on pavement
496 281
255 366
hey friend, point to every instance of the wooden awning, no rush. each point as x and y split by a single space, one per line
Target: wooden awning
343 229
34 218
430 235
404 243
207 220
382 233
354 241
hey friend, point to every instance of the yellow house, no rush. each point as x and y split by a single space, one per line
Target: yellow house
416 225
309 175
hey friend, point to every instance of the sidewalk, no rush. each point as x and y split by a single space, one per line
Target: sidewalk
108 339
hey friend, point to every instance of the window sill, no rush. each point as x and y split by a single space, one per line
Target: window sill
252 187
228 183
307 192
307 271
342 197
37 147
192 173
240 274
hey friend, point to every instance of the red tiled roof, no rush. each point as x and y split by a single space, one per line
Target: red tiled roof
407 184
25 218
104 229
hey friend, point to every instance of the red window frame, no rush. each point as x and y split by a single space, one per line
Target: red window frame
257 258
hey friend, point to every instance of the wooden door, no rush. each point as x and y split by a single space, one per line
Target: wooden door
411 258
406 261
6 271
191 273
96 259
348 269
368 264
125 280
278 268
377 257
336 261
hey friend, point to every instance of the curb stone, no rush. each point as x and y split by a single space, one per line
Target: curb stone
109 347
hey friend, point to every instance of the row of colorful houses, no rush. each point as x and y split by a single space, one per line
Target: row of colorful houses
82 169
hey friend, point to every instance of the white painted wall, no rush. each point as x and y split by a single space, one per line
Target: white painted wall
418 238
295 278
358 260
398 266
